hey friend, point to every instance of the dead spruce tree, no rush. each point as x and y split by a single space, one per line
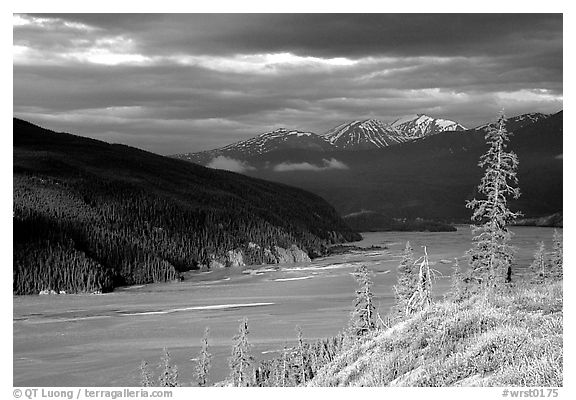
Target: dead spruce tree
241 360
406 284
168 372
204 359
491 255
363 318
422 298
557 260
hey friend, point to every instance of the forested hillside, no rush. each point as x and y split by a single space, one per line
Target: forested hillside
89 216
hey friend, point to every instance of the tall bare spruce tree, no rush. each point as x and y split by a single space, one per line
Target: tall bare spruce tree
364 314
241 360
491 255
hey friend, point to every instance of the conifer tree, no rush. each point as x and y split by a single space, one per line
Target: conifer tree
204 358
538 266
301 356
364 314
491 255
314 362
406 284
557 257
284 367
146 377
241 360
169 373
458 283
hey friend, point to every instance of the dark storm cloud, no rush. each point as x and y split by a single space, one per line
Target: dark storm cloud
173 83
333 35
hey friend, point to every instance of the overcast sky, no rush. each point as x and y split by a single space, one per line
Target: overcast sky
182 83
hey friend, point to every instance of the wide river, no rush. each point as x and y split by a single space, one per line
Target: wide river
100 340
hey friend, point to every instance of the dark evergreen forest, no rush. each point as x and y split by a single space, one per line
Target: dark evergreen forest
90 216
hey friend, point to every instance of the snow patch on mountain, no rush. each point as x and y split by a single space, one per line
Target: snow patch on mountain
421 125
373 133
367 134
278 139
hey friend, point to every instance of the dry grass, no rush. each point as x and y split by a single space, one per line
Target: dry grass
510 339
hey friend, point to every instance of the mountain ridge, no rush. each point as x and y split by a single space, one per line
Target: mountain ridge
516 122
281 138
356 135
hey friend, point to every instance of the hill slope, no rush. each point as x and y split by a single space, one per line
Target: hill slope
89 216
514 339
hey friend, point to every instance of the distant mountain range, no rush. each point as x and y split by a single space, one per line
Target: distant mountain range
420 172
356 135
90 216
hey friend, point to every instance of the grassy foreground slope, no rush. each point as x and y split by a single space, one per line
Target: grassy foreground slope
512 339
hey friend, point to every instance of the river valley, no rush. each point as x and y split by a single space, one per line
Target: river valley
100 340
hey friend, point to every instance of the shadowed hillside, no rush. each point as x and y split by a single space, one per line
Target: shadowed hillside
89 216
429 178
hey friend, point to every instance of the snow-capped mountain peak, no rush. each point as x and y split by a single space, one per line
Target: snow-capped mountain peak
278 139
373 133
420 125
366 134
